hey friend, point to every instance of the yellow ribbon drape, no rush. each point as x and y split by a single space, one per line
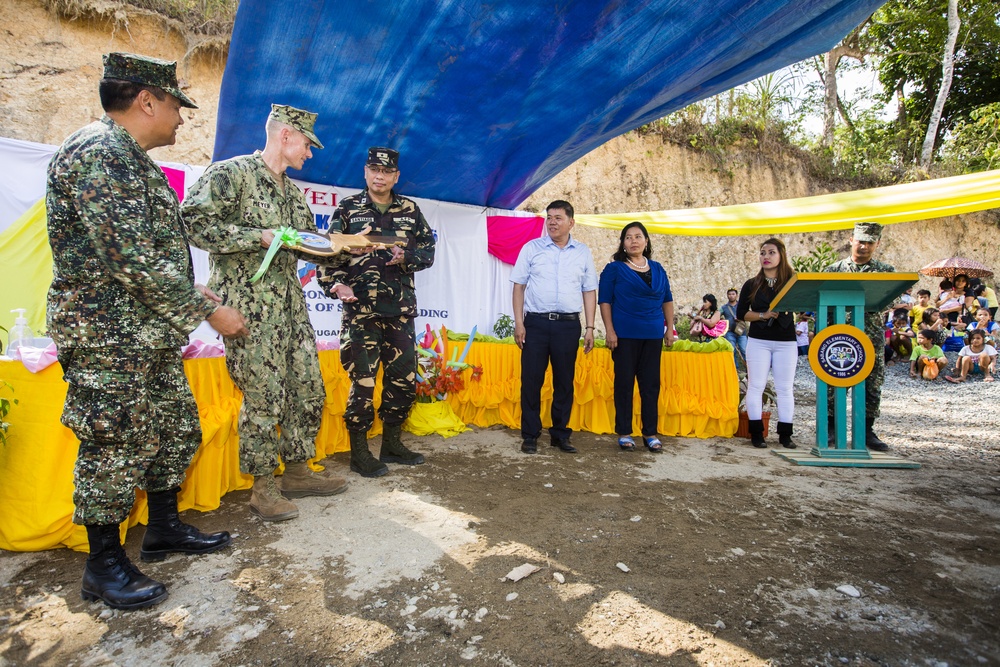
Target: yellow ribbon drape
907 202
699 398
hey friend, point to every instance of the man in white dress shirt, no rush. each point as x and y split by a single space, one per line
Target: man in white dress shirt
554 278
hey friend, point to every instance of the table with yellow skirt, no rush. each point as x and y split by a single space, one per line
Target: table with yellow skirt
698 398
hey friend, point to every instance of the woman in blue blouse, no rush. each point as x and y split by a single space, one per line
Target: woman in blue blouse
634 294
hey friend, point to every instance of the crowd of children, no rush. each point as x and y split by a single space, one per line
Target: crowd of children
960 319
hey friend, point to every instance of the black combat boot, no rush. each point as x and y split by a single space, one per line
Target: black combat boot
393 449
111 577
785 435
757 433
166 533
872 441
362 461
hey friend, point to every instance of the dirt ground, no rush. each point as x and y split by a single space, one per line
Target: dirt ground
734 556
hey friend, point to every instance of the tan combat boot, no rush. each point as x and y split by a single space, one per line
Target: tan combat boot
267 502
300 481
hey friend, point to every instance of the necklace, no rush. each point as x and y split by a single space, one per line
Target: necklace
770 281
636 266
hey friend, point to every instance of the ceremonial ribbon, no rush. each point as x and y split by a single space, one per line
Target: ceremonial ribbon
282 235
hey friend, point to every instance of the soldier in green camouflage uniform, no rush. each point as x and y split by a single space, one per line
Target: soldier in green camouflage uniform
864 243
379 306
121 304
231 212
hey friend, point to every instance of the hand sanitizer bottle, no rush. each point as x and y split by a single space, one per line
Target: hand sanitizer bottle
20 334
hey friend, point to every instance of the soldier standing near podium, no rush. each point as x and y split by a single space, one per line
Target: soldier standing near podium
864 243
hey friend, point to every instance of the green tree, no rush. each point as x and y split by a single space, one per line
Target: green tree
908 39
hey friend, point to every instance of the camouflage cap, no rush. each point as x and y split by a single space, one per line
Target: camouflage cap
146 71
383 157
867 232
301 120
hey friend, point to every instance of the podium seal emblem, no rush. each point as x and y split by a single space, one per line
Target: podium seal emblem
841 355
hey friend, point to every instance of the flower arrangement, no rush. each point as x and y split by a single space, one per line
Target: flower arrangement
437 376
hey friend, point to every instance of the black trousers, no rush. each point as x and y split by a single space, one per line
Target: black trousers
545 340
637 359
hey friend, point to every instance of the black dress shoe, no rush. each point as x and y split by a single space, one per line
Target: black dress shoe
563 445
529 446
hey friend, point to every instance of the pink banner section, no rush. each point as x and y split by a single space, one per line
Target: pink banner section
507 234
175 177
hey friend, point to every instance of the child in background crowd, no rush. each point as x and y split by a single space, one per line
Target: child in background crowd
976 357
927 359
985 324
907 301
991 300
932 321
950 300
901 338
944 291
802 335
917 310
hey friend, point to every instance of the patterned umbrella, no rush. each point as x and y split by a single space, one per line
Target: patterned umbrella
953 266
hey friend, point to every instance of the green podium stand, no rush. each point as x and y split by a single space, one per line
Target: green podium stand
842 357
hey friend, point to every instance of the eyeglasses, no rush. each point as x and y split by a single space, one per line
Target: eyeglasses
386 171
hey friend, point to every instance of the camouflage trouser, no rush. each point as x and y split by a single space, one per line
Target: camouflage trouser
363 344
282 386
137 423
873 383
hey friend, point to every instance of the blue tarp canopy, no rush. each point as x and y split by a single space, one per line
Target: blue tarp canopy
488 101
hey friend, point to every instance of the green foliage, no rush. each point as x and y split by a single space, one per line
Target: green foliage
5 405
867 155
683 326
504 326
907 38
822 256
975 144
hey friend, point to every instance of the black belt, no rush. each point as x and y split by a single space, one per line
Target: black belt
555 316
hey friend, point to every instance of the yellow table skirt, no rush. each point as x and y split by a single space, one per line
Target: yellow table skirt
699 398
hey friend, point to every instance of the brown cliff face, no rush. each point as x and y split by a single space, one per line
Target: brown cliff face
50 66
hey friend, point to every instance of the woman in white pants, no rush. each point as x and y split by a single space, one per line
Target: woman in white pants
771 343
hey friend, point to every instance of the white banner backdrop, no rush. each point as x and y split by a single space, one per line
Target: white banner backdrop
465 287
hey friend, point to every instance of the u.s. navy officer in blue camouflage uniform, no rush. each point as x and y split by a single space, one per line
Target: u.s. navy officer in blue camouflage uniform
231 212
121 304
379 306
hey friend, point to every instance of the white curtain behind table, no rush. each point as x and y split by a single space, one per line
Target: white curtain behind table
455 292
22 177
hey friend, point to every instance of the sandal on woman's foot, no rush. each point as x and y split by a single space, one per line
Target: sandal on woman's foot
653 444
954 380
626 443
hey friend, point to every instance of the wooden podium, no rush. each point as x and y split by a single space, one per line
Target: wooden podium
842 357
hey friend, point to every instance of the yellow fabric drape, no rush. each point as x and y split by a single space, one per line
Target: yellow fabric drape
435 418
25 269
923 200
699 393
699 398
